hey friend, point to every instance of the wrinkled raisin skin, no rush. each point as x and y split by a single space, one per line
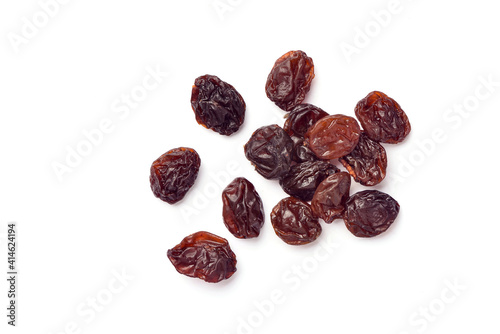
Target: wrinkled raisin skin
300 152
367 163
217 105
174 173
204 255
303 179
301 118
329 200
242 209
269 149
382 118
294 222
369 213
333 136
290 79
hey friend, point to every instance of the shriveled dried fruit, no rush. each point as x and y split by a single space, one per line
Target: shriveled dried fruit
329 200
174 173
242 209
270 150
333 136
300 152
217 105
294 222
301 118
369 213
303 178
204 255
382 118
290 79
367 163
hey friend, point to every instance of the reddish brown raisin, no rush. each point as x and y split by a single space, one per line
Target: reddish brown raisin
204 255
382 118
217 105
333 136
174 173
290 79
301 118
330 197
369 213
303 178
294 222
270 151
242 209
367 163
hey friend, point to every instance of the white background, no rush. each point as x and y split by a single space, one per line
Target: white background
100 219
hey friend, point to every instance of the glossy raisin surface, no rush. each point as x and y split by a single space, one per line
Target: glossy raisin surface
290 79
300 152
294 222
242 209
303 178
174 173
369 213
301 118
333 136
329 200
367 163
217 105
269 149
382 118
204 255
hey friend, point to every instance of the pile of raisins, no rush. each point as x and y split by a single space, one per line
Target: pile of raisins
300 155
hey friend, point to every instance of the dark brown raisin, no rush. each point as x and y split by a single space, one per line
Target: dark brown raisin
303 178
300 152
217 105
333 136
367 163
301 118
369 213
382 118
294 222
242 209
270 151
290 79
174 173
204 255
330 197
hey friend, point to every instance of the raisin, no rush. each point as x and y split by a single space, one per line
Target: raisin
367 163
301 118
270 150
382 118
204 255
333 136
303 178
300 152
294 222
242 211
174 173
290 79
369 213
217 105
330 197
